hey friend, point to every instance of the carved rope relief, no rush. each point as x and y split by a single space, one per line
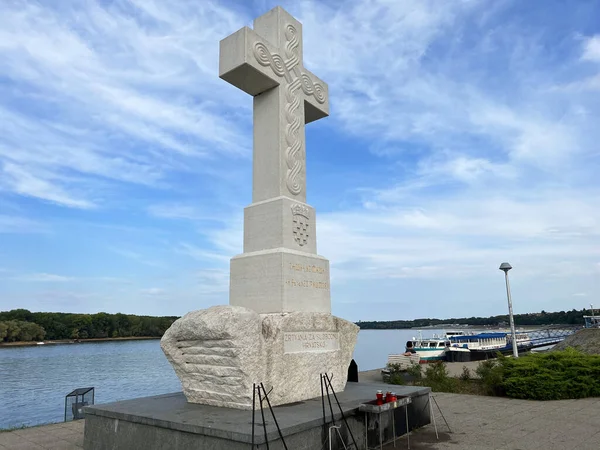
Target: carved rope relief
287 69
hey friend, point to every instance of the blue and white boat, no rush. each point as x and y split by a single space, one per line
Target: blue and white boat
477 347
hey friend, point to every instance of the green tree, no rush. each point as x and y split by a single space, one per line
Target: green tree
3 330
20 315
101 325
29 331
13 330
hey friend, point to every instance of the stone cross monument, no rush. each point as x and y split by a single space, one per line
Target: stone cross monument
278 328
279 270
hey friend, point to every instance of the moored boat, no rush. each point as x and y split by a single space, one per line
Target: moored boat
477 347
433 348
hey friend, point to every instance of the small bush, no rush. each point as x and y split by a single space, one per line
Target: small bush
552 376
438 379
415 371
436 371
398 375
436 376
491 374
466 374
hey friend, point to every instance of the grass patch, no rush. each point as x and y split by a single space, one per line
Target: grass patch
435 375
557 375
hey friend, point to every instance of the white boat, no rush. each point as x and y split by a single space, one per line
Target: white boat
433 348
477 347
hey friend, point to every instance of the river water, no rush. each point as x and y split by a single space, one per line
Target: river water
35 380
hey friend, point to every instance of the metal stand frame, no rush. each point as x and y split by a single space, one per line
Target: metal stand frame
257 389
337 428
432 414
326 381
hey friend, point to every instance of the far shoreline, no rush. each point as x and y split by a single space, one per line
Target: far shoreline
145 338
75 341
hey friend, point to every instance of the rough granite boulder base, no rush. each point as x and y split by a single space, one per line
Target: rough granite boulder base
218 353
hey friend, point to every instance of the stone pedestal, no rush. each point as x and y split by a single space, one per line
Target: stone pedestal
280 281
218 354
279 223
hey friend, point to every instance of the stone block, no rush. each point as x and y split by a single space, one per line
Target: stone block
280 281
280 223
218 353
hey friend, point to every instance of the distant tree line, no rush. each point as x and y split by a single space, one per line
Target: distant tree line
573 317
18 330
24 325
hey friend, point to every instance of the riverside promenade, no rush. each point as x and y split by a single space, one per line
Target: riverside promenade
477 422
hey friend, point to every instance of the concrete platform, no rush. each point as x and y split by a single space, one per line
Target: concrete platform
479 423
169 421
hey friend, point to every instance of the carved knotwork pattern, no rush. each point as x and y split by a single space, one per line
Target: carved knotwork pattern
296 79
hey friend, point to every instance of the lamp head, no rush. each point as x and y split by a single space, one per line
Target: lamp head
505 267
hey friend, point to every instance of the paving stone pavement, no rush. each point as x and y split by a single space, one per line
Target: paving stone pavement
492 423
477 423
58 436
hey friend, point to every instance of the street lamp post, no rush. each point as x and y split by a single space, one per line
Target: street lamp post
505 267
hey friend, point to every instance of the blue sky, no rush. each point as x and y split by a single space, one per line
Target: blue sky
462 134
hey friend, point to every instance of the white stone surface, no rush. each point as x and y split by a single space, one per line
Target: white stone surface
278 329
218 353
280 280
280 223
267 63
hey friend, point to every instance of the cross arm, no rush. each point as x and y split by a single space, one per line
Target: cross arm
238 64
316 98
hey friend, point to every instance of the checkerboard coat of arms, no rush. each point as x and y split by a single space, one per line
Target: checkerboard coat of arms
301 225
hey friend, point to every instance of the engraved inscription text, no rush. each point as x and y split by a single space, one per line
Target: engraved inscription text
310 341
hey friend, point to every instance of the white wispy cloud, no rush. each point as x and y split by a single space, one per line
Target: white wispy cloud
136 256
125 91
591 49
213 281
44 278
202 254
16 224
24 182
387 86
153 291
